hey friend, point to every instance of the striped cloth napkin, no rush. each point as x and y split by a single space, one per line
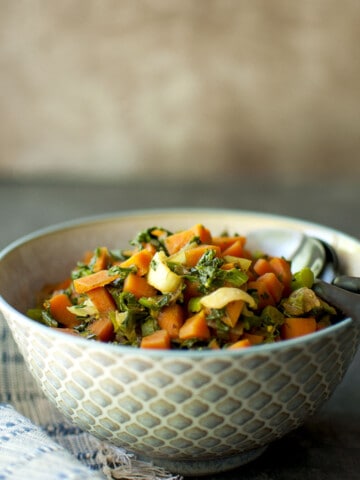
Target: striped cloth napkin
37 442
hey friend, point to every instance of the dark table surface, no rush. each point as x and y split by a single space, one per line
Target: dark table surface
327 446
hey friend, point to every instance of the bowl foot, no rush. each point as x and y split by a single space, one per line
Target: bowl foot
207 466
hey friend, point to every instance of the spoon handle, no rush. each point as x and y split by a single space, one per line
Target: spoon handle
345 301
348 283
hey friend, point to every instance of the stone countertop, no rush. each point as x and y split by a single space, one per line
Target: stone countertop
328 445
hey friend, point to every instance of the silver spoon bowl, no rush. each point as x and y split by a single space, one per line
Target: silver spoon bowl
340 290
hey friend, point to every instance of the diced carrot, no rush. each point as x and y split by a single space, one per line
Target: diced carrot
58 305
101 260
150 247
141 260
171 318
228 266
233 311
226 242
178 240
101 299
254 338
138 286
195 327
214 344
194 254
157 232
244 343
282 270
94 280
297 326
261 266
160 339
102 328
264 297
273 285
202 232
236 249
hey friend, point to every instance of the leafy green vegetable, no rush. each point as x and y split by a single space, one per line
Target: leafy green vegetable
156 303
300 302
42 316
123 272
149 326
81 270
124 327
147 236
210 276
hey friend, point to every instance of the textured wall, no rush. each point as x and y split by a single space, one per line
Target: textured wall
110 88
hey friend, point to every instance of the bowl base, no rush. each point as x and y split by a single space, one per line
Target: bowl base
207 466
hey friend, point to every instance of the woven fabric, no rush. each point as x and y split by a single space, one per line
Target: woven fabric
27 452
38 442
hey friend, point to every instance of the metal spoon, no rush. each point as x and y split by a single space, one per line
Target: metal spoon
304 251
293 245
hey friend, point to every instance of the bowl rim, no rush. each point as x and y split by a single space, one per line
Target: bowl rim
86 221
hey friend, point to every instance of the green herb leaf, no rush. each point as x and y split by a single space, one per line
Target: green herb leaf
146 236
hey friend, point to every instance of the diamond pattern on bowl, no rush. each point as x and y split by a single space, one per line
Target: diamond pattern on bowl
164 405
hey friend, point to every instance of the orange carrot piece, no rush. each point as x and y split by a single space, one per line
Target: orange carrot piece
297 326
102 328
171 318
273 285
236 249
157 232
157 340
244 343
228 266
195 327
233 311
282 270
58 305
102 259
254 338
141 260
138 286
150 248
261 266
94 280
226 242
264 297
194 254
214 344
102 300
178 240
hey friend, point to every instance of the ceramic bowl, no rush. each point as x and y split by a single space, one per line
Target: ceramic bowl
193 413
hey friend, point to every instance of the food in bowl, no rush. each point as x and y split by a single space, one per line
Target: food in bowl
185 290
191 411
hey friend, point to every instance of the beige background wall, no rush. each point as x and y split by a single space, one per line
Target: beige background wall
111 89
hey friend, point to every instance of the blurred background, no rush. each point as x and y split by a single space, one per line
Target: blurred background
136 89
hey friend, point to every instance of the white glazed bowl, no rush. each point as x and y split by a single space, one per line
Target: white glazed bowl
192 412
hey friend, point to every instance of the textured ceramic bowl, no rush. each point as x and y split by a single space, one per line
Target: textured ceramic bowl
191 412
